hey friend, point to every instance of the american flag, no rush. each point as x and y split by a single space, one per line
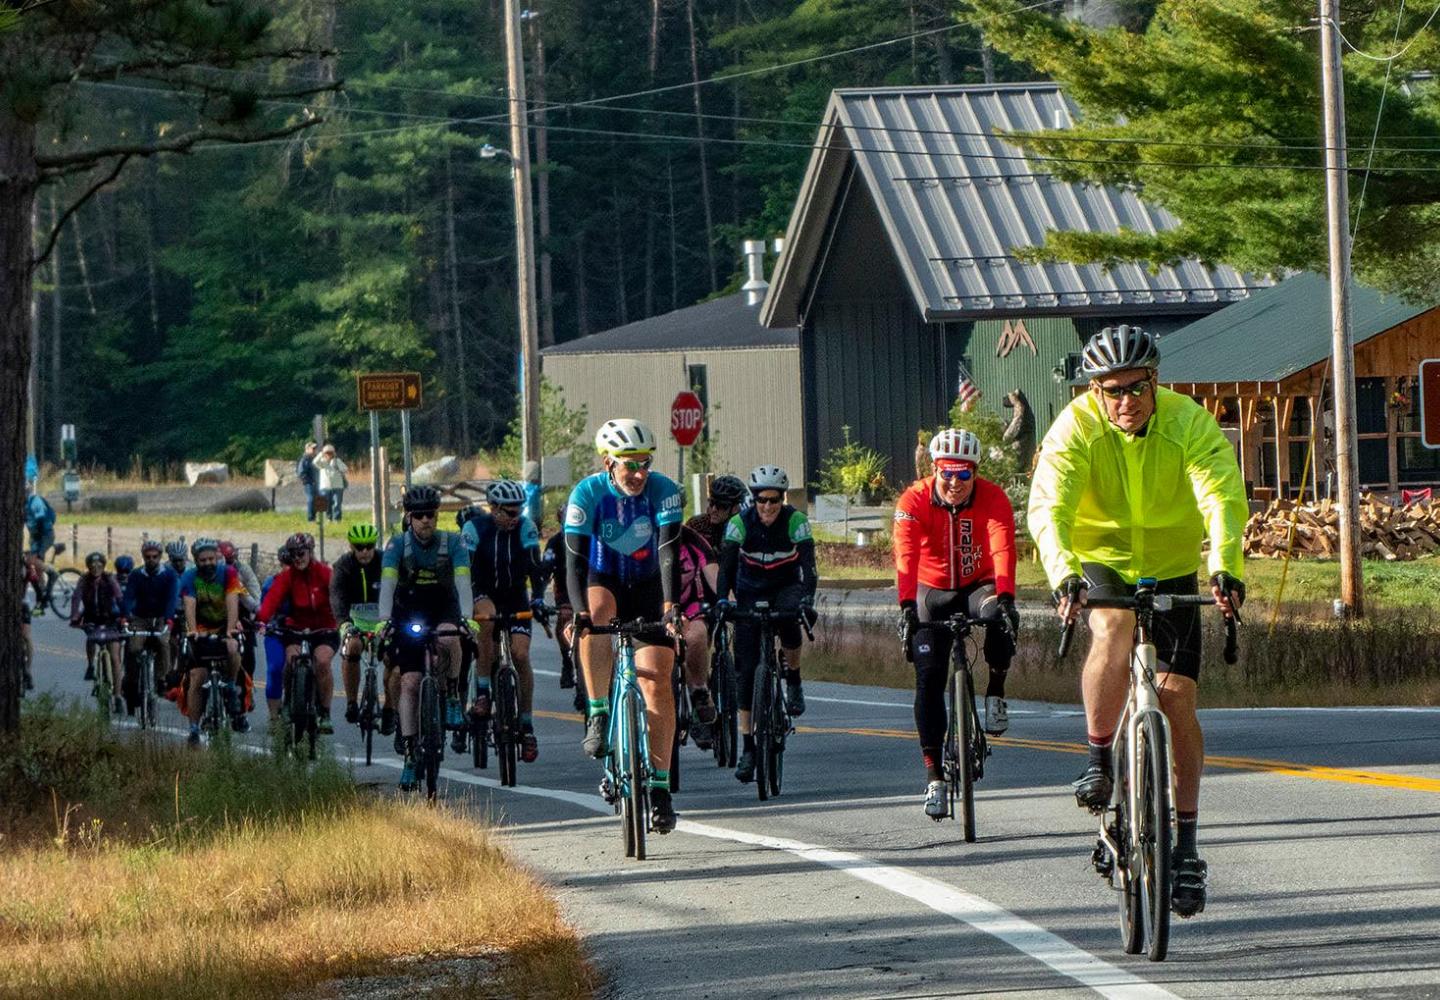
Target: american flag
967 391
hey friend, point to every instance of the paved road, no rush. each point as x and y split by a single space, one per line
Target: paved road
1322 829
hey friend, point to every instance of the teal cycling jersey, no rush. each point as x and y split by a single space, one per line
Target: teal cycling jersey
430 580
624 531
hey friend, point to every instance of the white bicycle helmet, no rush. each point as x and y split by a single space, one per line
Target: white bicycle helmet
624 436
1117 349
769 477
504 493
956 445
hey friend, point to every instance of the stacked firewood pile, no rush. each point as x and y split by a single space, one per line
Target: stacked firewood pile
1386 531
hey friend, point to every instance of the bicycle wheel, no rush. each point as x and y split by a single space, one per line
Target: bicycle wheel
964 708
1155 836
369 698
301 703
760 719
507 724
639 792
779 734
63 590
431 735
682 718
727 722
623 758
102 680
1132 919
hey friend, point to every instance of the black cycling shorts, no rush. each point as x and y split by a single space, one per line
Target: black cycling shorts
641 599
510 602
1177 632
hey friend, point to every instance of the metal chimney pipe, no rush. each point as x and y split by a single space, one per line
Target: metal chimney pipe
755 286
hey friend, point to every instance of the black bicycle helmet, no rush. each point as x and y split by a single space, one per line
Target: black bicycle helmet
465 515
727 490
1117 349
124 564
422 499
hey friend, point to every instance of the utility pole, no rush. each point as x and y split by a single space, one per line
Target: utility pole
524 242
1337 201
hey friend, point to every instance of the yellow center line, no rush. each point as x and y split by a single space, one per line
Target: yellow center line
1314 772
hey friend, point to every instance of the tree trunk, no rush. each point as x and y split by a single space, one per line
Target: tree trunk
649 305
542 190
654 37
582 293
987 59
452 266
17 195
52 395
674 256
622 305
152 182
704 157
944 67
79 231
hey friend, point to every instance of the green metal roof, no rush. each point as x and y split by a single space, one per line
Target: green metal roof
1275 333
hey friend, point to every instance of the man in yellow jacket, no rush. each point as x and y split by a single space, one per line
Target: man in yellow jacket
1131 479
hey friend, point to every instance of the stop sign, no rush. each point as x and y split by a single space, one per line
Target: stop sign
687 418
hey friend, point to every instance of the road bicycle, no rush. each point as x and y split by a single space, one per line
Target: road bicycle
209 652
1137 827
416 638
626 784
770 721
145 679
725 696
966 748
300 702
503 722
365 622
100 665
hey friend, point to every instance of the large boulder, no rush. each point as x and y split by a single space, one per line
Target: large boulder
207 473
442 470
114 503
246 502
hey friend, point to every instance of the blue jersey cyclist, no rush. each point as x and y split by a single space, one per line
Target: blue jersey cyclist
507 576
424 584
622 529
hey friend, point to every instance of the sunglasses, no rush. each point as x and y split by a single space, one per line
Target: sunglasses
770 499
637 464
363 548
1136 389
951 474
720 504
424 515
508 511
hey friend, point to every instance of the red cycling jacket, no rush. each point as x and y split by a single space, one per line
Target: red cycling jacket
949 548
308 594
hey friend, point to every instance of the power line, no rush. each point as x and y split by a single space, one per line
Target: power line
1379 113
1394 55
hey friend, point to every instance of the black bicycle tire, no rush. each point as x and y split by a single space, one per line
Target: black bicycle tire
760 726
102 692
1132 921
507 725
639 799
1156 839
965 713
301 701
369 703
67 578
427 752
146 686
677 692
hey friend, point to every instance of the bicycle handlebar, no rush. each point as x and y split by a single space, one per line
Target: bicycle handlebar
1157 602
769 614
632 628
543 614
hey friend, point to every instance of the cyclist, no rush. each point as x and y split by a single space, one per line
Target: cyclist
40 522
552 563
424 581
210 593
305 586
1131 479
178 555
954 546
152 597
622 526
769 555
699 576
274 648
507 577
726 494
249 603
124 566
355 579
98 607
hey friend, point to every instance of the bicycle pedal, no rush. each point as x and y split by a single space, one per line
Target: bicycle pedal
607 792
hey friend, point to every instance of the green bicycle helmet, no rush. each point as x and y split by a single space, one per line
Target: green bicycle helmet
362 534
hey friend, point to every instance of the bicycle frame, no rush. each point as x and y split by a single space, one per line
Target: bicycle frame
624 686
1142 702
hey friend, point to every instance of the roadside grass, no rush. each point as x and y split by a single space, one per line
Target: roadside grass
1392 657
160 873
193 524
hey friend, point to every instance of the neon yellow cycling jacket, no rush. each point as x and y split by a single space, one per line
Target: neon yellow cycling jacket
1140 505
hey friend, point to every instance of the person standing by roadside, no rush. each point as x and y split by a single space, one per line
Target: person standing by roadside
332 471
309 477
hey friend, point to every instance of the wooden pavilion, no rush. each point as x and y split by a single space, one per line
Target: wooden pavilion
1262 367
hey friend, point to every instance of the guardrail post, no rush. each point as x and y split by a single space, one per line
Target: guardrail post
109 542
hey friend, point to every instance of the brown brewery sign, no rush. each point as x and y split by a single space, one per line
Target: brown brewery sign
388 390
